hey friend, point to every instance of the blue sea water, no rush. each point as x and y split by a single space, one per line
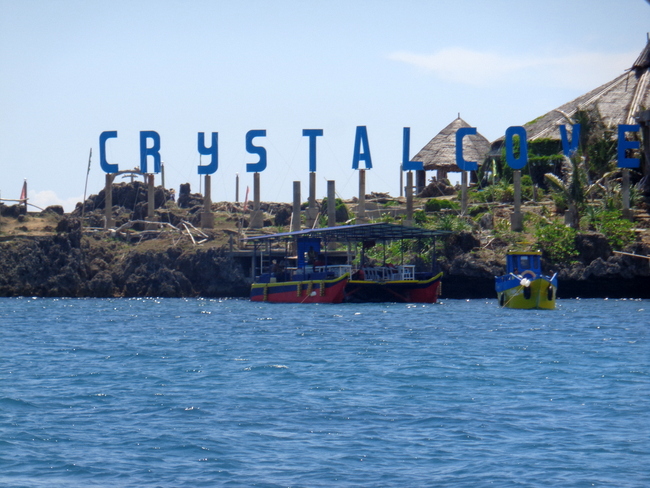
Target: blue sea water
189 393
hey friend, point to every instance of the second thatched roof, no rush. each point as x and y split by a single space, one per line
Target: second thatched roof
618 102
440 152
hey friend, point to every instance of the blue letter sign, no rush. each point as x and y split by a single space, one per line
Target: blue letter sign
568 148
261 151
213 151
361 139
312 134
108 168
460 161
153 151
407 164
522 160
624 145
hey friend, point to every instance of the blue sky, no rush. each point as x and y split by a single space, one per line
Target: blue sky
70 70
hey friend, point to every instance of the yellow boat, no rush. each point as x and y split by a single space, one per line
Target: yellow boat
524 285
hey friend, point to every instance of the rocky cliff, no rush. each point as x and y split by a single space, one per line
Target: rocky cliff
67 265
50 255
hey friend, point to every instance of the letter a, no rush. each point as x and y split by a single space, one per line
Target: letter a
361 139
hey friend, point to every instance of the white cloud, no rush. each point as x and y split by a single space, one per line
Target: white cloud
462 65
581 71
44 199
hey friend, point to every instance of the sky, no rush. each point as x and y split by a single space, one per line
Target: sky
72 69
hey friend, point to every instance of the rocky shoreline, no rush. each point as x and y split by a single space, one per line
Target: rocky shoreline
50 254
69 263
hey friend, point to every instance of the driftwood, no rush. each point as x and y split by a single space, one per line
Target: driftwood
187 228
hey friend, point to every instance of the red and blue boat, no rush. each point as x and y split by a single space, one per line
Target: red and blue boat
308 271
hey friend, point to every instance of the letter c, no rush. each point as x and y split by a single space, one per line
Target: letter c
108 168
460 161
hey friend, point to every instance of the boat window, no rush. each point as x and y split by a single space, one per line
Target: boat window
524 262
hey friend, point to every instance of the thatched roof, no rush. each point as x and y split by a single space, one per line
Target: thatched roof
440 152
618 102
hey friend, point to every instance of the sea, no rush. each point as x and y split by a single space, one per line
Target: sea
206 392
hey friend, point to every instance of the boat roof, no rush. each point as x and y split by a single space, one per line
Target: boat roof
358 232
524 253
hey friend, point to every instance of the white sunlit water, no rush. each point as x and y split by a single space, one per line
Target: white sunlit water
177 392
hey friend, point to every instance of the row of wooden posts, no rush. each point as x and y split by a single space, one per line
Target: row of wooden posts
312 214
256 217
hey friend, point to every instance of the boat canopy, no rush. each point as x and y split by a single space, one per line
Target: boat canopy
355 233
518 262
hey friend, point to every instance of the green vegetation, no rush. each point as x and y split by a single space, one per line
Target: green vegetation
557 241
618 231
573 187
500 192
435 205
342 213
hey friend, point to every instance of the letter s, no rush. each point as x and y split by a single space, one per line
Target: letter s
261 151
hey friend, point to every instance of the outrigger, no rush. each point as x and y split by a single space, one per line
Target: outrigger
307 271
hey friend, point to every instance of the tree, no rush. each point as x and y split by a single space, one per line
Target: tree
573 186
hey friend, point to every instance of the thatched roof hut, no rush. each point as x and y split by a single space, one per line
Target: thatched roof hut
618 102
440 152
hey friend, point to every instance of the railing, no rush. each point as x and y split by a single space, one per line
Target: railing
338 269
390 273
379 273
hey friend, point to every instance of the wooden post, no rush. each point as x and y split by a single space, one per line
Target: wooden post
257 220
312 212
331 203
463 193
409 198
24 194
295 217
109 223
516 220
361 206
331 209
625 194
207 217
151 201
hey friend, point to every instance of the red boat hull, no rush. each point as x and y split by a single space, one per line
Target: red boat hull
318 291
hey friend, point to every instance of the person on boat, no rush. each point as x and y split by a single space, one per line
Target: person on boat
278 270
311 255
